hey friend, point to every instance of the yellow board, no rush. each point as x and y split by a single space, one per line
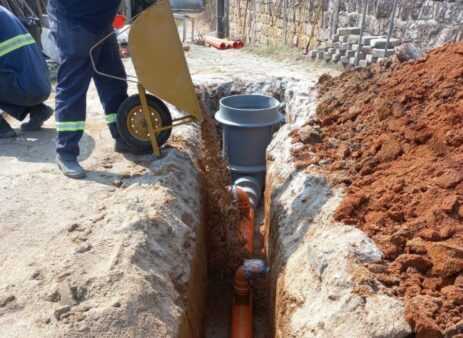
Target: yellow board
159 59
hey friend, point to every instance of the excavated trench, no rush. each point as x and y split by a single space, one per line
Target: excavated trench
225 250
312 287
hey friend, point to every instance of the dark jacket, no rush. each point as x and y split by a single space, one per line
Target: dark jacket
21 58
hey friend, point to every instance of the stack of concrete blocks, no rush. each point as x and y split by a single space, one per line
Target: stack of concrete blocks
342 48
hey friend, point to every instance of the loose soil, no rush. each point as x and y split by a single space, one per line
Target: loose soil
225 250
393 135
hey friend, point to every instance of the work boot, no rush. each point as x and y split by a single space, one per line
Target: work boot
38 115
71 169
5 129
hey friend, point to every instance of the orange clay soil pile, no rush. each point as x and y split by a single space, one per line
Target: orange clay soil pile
393 135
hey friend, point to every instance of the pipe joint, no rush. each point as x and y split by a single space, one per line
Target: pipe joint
255 268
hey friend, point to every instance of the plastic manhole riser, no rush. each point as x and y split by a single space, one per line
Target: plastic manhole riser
249 122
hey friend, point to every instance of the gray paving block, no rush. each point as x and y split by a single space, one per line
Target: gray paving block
348 31
322 49
361 55
352 61
335 37
380 52
346 46
381 43
370 58
366 39
320 55
340 52
331 50
352 39
337 44
327 56
343 38
329 44
313 54
366 49
344 59
364 63
350 53
335 57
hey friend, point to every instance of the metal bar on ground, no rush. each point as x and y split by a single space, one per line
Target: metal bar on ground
192 29
220 11
285 22
243 36
391 26
184 29
362 28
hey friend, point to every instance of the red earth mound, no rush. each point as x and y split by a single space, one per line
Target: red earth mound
393 135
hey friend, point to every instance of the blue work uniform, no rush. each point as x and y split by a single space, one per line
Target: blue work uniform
24 78
76 26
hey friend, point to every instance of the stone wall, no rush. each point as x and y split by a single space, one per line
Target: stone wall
289 22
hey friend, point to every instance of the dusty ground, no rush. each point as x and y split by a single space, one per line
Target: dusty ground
392 135
110 255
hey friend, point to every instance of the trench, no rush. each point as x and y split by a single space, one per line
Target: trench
225 251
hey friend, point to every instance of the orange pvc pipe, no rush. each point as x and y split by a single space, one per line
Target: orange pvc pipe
246 230
242 308
217 43
232 44
246 223
242 316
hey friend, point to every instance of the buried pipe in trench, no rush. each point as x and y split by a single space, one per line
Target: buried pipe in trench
242 308
246 222
247 120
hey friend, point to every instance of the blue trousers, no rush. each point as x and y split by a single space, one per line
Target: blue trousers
74 75
16 101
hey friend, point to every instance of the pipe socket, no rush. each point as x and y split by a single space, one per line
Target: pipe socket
248 122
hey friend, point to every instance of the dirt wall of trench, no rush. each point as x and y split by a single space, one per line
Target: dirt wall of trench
317 262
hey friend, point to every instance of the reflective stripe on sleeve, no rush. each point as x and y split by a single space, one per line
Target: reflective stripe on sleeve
15 43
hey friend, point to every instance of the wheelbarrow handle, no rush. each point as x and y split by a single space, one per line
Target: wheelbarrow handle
92 49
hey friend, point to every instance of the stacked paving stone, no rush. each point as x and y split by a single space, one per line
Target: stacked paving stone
343 46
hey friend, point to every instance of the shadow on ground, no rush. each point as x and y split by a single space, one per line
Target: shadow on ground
39 146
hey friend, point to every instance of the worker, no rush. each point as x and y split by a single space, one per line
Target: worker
24 78
76 26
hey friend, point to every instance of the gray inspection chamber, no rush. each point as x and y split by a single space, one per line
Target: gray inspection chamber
249 122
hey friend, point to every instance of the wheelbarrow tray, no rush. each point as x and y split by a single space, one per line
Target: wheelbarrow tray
159 60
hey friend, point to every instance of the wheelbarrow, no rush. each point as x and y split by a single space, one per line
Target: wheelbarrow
144 120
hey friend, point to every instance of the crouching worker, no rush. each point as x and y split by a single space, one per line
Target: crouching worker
76 26
24 79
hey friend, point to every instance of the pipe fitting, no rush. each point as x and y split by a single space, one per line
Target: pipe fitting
248 122
252 187
240 199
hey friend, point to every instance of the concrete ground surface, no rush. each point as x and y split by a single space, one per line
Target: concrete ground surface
110 255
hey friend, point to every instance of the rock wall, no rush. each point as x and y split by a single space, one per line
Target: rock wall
426 22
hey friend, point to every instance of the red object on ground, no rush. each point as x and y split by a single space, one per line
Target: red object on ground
393 135
119 21
215 42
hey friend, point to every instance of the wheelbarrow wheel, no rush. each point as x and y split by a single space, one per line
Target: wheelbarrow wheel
132 125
